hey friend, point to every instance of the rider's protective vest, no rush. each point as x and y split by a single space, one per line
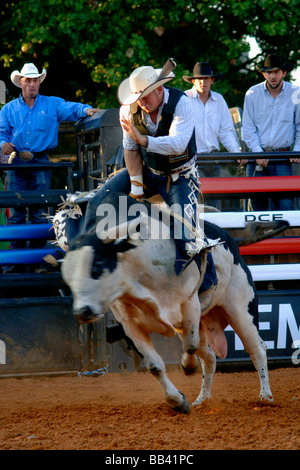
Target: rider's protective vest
164 163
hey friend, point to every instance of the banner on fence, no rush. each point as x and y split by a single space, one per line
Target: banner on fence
279 327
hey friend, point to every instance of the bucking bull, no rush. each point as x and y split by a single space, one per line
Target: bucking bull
134 276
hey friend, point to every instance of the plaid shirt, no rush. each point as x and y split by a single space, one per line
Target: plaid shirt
3 159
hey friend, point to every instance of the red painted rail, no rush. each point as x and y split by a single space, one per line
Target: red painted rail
273 246
247 185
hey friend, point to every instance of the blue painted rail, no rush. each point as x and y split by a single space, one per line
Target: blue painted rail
26 232
27 255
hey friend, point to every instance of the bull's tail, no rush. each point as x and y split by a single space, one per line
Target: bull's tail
257 231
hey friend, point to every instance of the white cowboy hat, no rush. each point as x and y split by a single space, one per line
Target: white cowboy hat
28 70
141 82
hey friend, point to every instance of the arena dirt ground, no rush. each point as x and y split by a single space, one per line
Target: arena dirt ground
126 411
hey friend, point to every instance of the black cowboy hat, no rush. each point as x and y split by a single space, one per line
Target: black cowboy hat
201 70
273 62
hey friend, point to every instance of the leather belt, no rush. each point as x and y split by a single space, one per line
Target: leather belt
269 149
40 154
187 166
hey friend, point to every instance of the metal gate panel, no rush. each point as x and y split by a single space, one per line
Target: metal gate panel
38 335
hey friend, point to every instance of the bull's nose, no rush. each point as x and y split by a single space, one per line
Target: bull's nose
85 315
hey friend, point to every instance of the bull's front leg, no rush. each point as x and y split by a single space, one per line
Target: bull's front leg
154 364
191 313
191 362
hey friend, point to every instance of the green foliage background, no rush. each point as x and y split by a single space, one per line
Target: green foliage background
88 46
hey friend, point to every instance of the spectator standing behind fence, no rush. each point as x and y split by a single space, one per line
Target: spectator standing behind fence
213 121
271 123
30 124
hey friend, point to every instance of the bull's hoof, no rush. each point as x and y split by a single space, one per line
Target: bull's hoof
200 401
188 370
190 364
183 407
266 397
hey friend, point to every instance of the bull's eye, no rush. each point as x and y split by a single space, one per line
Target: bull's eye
99 264
97 269
102 264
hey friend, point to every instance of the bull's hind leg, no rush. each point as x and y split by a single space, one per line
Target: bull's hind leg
154 364
256 348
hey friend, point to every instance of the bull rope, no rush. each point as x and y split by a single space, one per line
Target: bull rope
98 372
211 298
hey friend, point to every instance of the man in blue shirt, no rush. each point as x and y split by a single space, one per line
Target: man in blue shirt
271 123
29 126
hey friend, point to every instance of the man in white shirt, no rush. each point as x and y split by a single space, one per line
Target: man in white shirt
213 122
271 123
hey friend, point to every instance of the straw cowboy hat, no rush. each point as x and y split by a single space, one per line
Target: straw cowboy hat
142 81
29 71
273 62
201 70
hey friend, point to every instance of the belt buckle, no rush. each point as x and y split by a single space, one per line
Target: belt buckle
156 172
25 155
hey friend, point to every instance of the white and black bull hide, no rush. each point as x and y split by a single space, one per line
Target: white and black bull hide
136 279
